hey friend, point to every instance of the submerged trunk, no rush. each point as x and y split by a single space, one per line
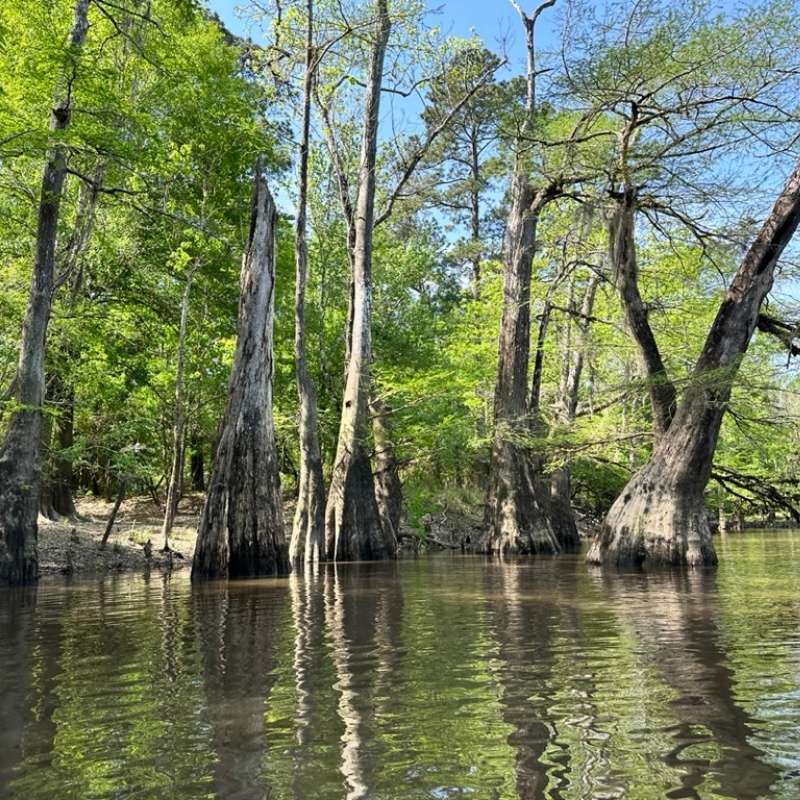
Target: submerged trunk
352 523
516 511
660 517
308 531
241 527
388 487
179 426
622 251
19 467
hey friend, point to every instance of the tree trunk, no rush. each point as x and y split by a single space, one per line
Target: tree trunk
562 517
63 503
196 466
308 531
179 427
660 517
46 508
352 522
19 467
388 487
569 398
516 514
241 527
121 488
622 251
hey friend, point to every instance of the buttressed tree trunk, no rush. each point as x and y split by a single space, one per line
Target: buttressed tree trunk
19 467
308 531
622 252
660 517
352 523
517 514
516 509
241 527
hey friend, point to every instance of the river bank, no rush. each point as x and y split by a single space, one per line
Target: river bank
70 546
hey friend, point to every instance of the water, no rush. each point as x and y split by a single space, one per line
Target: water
443 677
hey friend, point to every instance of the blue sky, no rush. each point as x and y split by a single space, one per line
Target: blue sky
497 24
495 21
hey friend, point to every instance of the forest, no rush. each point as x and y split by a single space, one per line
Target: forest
399 399
354 276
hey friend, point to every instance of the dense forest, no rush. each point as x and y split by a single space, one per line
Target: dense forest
354 274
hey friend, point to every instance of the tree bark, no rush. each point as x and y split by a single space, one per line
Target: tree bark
179 425
352 523
308 531
19 462
660 517
241 528
622 251
516 509
388 487
516 513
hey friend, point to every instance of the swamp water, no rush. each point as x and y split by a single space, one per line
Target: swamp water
441 677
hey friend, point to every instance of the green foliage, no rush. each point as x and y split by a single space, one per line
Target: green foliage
170 116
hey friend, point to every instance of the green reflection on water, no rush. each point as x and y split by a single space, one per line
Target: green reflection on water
446 677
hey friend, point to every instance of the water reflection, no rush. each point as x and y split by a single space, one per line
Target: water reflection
438 678
524 631
675 621
242 629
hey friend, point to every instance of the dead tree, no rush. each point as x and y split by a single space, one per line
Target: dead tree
241 527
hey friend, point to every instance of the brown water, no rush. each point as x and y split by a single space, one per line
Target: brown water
443 677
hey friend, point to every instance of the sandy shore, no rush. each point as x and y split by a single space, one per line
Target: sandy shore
69 546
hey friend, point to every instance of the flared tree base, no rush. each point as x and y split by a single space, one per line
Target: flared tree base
517 510
19 503
353 530
653 523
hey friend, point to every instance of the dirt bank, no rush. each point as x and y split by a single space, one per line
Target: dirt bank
70 546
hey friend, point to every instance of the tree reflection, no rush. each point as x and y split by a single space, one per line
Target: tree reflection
523 628
24 678
675 618
239 626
